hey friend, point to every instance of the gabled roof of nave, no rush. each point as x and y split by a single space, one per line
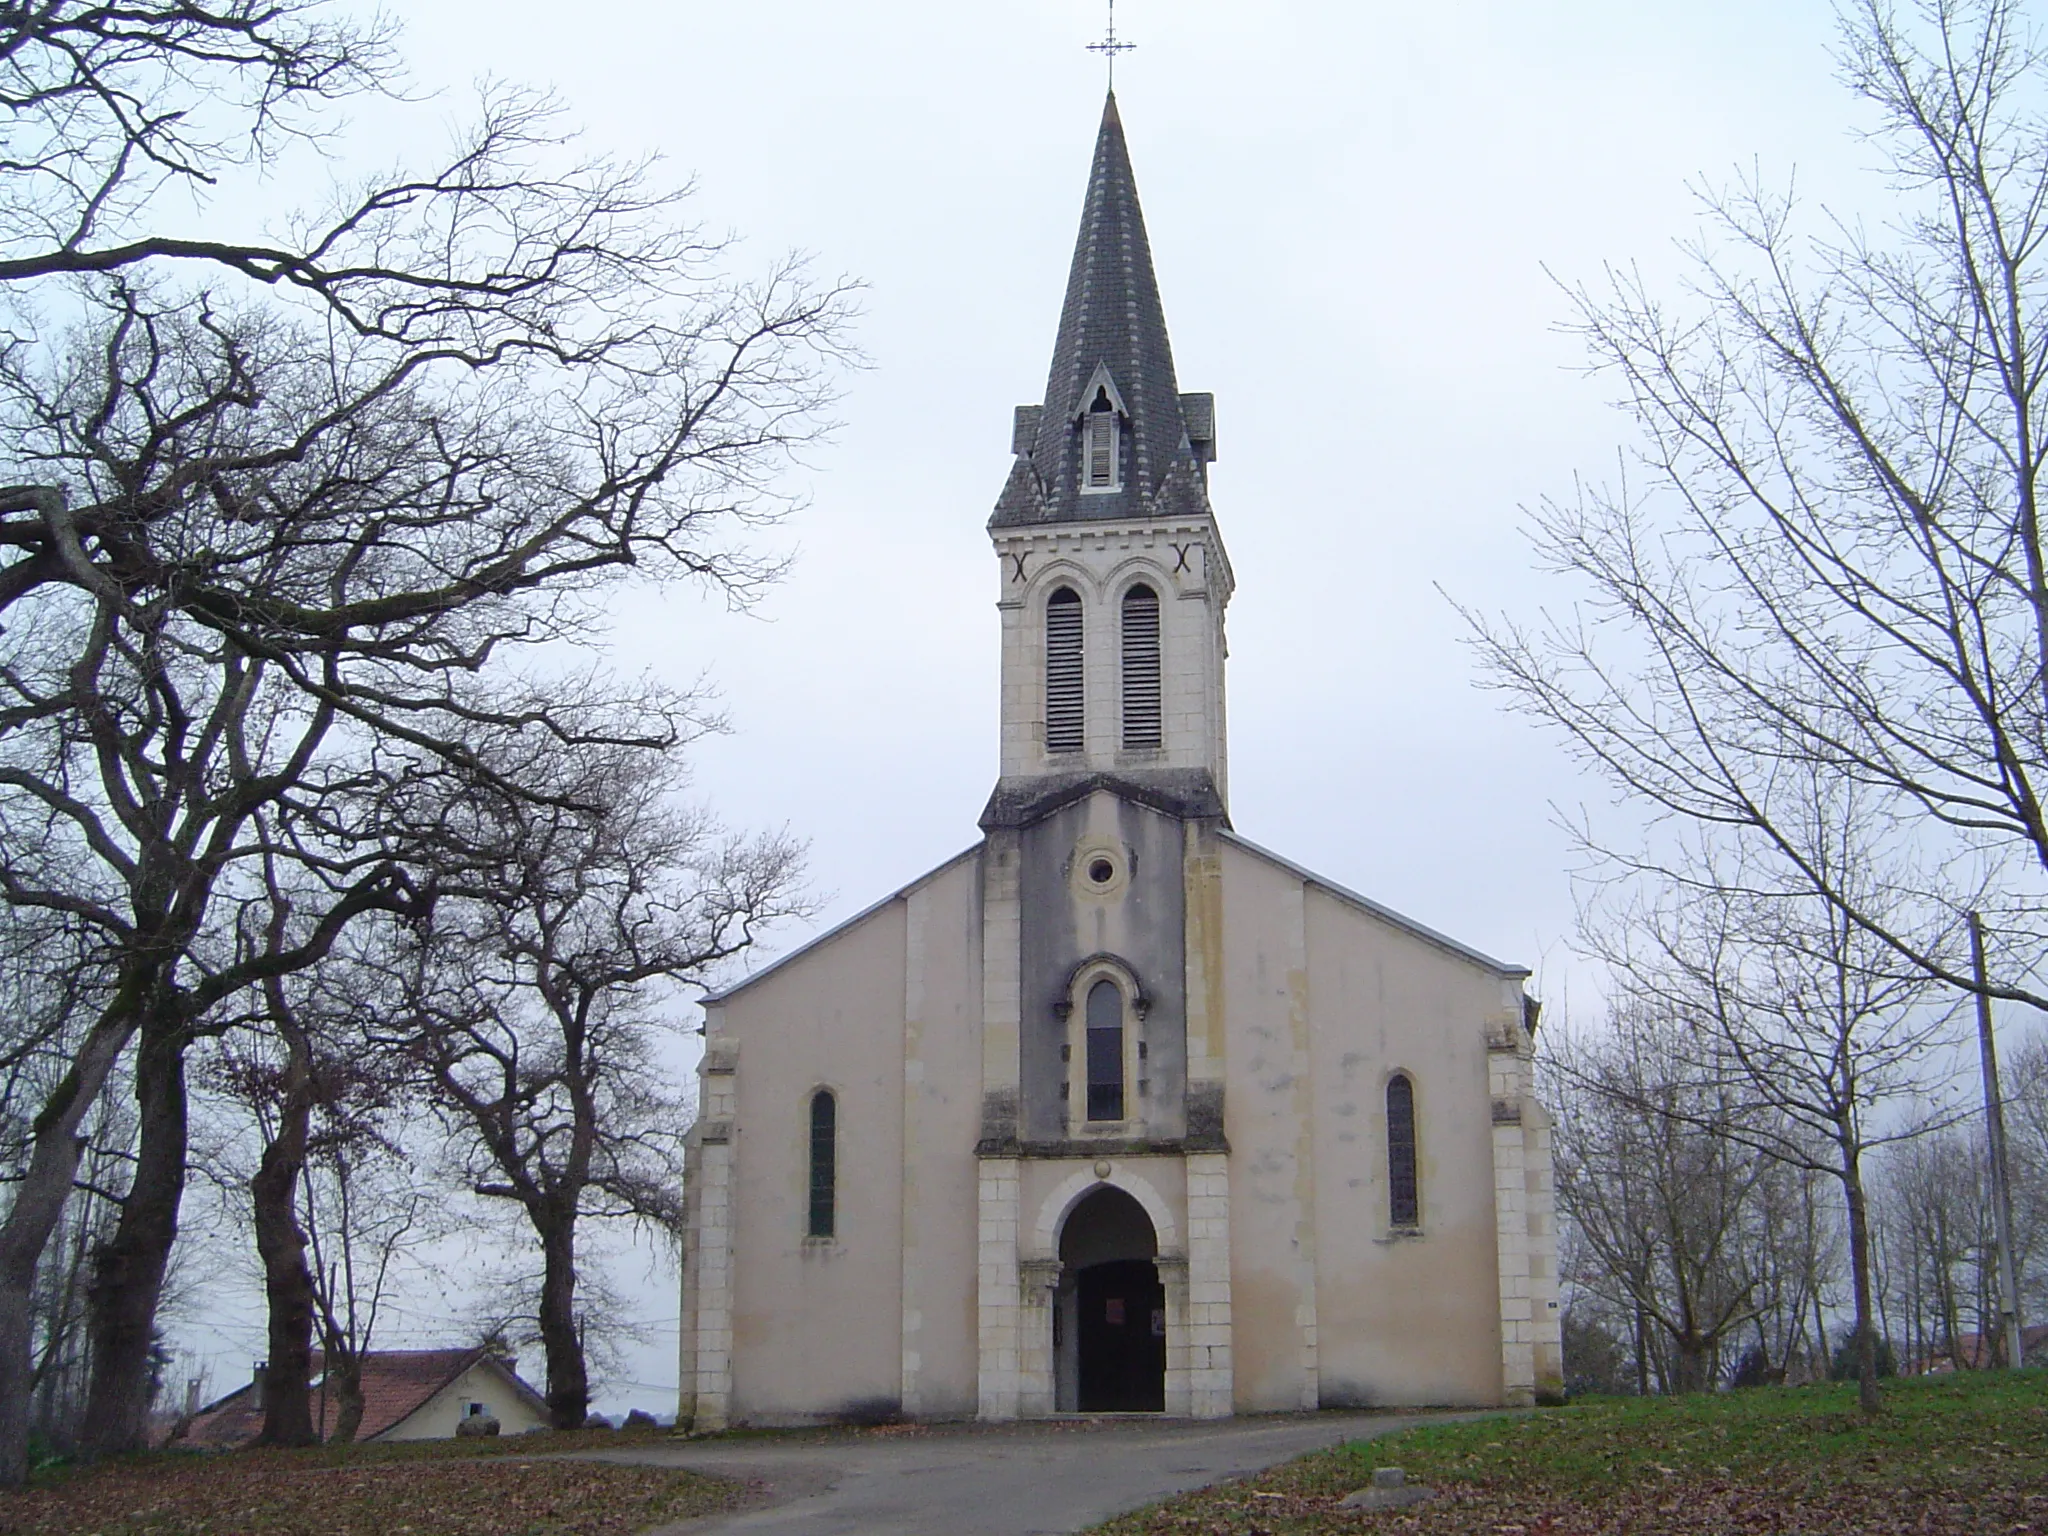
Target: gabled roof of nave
1112 320
1364 904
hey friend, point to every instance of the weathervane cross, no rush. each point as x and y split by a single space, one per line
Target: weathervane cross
1109 47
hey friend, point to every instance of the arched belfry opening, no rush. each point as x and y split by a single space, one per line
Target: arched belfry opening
1109 1319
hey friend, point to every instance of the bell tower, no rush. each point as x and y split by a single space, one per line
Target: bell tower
1112 575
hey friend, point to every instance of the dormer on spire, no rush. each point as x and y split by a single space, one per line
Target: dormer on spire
1077 464
1102 420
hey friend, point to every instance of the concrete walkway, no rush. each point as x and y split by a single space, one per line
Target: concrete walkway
1015 1480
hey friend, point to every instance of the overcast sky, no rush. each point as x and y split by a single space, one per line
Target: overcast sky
1353 208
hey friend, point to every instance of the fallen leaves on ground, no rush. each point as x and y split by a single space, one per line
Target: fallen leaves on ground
258 1493
1949 1457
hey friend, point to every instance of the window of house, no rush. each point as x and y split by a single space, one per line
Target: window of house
1105 1051
1064 715
824 1163
1404 1203
1142 728
1101 442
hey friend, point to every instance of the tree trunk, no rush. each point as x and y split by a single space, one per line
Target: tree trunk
1867 1395
39 1201
128 1273
568 1379
345 1390
1692 1371
287 1283
1642 1353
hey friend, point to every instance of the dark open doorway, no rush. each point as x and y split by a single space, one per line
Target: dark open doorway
1112 1309
1122 1338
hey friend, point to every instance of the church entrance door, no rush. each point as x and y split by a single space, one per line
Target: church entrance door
1109 1329
1122 1332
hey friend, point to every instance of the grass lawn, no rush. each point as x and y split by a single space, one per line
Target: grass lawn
1950 1455
434 1488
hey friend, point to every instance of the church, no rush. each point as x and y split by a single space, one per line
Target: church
1117 1111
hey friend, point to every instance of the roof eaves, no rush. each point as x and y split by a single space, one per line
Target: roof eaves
1384 914
713 998
462 1363
518 1383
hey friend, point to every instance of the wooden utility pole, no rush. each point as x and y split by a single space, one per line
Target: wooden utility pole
1994 1125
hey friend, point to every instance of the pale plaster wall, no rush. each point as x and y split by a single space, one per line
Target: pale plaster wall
1272 1173
942 1082
1324 1001
1310 1001
436 1418
1402 1319
816 1323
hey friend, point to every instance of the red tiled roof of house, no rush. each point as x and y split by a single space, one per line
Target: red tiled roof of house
396 1384
1978 1352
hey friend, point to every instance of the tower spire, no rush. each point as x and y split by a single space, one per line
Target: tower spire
1112 352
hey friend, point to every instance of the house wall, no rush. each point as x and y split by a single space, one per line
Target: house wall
436 1418
1323 1001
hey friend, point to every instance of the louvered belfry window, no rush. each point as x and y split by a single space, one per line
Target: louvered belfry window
1102 443
1064 715
1404 1201
1142 730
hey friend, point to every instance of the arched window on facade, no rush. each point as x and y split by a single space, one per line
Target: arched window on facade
1105 1051
1404 1200
1142 729
1101 444
824 1163
1064 685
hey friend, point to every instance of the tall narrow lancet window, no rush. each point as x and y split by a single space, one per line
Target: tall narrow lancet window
1105 1052
1404 1202
1101 444
824 1163
1141 670
1064 717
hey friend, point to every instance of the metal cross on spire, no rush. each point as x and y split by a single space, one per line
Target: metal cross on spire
1109 47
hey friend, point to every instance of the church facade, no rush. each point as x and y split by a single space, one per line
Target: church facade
1116 1111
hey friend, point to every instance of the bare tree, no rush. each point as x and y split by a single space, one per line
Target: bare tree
1828 556
294 556
1931 1201
1820 1043
365 1212
2026 1099
322 1095
1661 1205
108 105
539 991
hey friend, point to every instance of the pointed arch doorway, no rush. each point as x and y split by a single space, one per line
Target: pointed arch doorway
1110 1317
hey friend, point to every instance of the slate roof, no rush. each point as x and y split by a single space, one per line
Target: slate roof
1112 320
397 1383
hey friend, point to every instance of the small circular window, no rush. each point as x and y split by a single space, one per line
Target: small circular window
1100 869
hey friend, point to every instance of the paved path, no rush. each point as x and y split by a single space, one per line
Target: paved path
1017 1480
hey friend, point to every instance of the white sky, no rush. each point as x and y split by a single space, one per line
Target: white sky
1352 207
